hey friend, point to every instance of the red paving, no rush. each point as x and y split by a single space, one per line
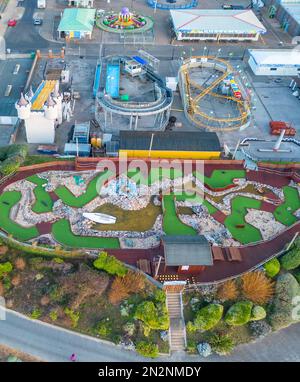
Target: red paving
252 255
219 216
268 207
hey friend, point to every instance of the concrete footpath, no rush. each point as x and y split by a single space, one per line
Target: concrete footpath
11 12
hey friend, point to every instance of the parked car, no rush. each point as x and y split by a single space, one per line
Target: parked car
12 22
37 21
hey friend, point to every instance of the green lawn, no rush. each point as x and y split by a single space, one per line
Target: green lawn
7 201
43 202
172 225
92 191
62 233
248 233
285 212
220 178
156 174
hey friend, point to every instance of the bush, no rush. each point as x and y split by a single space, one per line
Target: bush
291 260
239 313
257 287
154 317
221 344
121 287
20 263
5 268
53 315
282 310
36 314
297 275
147 349
207 317
259 329
159 296
104 328
73 316
204 349
258 313
11 157
110 264
272 267
228 291
129 328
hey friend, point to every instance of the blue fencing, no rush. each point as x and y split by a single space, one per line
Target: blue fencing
113 80
96 80
188 5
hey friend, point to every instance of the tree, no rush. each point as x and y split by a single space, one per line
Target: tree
110 264
257 287
153 317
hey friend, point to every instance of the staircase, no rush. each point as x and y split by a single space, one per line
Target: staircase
177 335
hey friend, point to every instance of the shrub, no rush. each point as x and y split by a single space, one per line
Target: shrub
190 327
73 316
20 263
272 267
104 328
129 328
1 289
228 291
3 249
221 344
110 264
282 310
291 260
204 349
239 313
297 275
257 287
159 295
16 280
53 315
5 268
191 346
36 314
58 260
45 300
207 317
258 313
147 349
259 329
123 286
153 317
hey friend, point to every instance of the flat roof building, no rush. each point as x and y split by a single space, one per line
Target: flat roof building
76 23
274 62
175 144
216 24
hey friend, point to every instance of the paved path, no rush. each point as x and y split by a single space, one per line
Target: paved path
51 343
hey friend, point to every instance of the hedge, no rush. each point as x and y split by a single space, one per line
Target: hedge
239 313
110 264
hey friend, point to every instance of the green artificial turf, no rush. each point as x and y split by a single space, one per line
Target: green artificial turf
171 223
155 175
220 178
92 191
61 231
247 234
285 212
43 202
7 201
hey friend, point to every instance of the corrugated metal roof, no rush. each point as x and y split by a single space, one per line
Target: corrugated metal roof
216 21
187 250
77 20
276 56
169 141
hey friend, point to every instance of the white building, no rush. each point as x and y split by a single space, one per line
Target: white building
274 62
216 24
41 117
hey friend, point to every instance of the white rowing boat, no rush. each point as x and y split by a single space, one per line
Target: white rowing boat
100 218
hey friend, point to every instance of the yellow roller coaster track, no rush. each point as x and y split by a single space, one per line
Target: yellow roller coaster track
193 107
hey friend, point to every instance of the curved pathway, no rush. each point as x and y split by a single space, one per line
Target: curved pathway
52 343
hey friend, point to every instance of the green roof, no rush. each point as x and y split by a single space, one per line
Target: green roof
77 20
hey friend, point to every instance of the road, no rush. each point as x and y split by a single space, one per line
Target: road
52 343
25 37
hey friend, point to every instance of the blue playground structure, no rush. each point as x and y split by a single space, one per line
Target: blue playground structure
96 80
188 5
113 80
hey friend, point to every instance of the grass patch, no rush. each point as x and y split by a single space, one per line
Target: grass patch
7 201
43 202
62 233
92 191
285 212
129 220
171 223
37 159
247 233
